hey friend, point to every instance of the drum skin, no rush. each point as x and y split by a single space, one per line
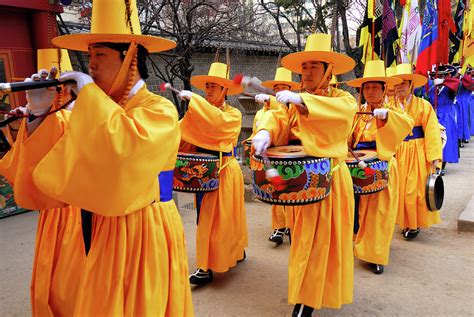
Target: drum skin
368 183
196 172
308 179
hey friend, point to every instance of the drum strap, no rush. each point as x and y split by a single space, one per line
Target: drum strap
335 165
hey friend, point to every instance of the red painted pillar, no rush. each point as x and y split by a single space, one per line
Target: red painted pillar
43 29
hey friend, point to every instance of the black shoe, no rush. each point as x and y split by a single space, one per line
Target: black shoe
376 268
442 172
243 258
410 234
302 311
465 141
461 145
277 236
201 277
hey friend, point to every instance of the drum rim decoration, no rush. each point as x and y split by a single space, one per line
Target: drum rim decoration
287 160
294 202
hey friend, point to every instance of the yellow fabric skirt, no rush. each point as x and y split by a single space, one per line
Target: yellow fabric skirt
377 216
278 217
413 169
58 262
137 266
321 264
221 235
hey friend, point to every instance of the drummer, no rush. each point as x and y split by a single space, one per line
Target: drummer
321 263
283 81
417 156
212 126
382 133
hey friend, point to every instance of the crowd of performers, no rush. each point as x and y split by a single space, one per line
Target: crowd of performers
107 248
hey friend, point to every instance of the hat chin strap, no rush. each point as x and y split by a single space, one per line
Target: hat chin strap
124 69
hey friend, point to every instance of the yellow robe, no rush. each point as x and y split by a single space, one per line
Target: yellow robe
221 235
278 212
106 159
378 211
321 264
414 159
59 249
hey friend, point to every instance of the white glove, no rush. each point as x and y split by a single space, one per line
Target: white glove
185 94
262 98
438 81
261 141
15 112
40 100
81 80
381 114
287 96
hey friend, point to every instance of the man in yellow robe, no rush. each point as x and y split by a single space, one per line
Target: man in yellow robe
417 156
282 81
113 157
59 250
321 264
381 132
212 126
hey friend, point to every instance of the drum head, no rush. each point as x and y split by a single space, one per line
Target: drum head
363 155
287 151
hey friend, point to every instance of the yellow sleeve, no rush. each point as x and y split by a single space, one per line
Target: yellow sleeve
392 133
25 156
210 127
327 127
276 122
433 145
9 162
109 159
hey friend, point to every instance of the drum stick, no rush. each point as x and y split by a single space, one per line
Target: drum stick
362 112
272 174
361 163
165 86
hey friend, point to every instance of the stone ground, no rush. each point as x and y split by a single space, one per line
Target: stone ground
430 276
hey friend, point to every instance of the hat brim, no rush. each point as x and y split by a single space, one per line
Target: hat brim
81 42
341 63
418 80
270 84
200 83
390 81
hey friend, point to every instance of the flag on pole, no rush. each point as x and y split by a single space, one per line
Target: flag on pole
445 25
368 27
457 37
468 30
389 34
429 40
410 32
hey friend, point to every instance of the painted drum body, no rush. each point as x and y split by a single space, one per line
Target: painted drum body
307 179
196 172
371 179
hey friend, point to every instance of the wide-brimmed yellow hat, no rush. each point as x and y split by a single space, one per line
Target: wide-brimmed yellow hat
404 71
282 77
318 49
49 57
111 24
218 74
374 71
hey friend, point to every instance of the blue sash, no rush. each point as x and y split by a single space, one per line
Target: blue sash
165 179
366 146
417 132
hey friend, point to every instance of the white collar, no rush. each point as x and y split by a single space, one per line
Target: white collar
136 88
